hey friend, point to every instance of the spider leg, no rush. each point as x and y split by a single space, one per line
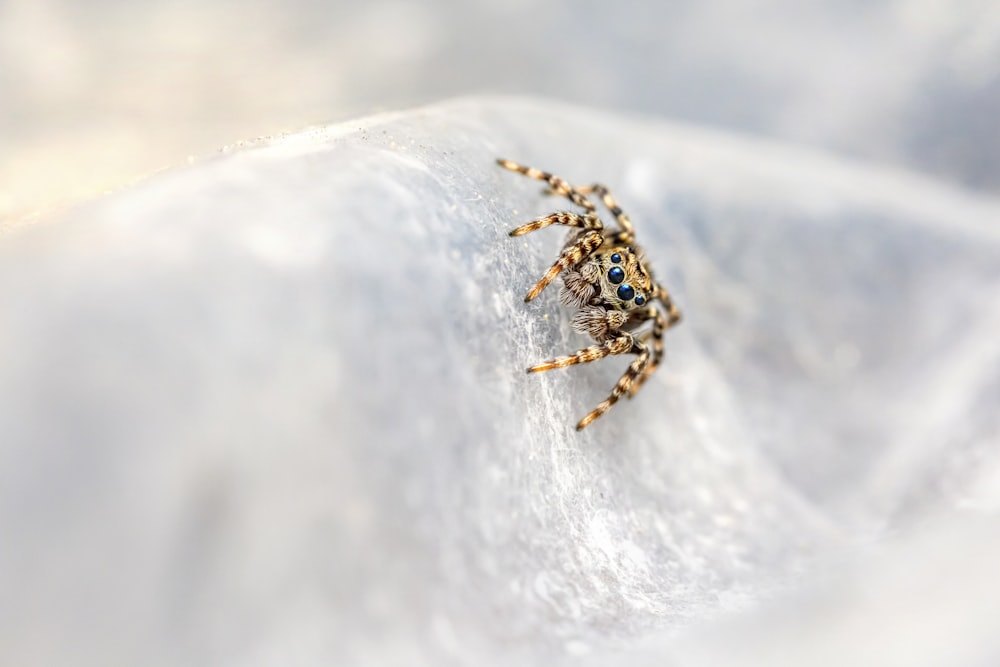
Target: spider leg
663 296
620 344
660 324
657 337
556 185
624 223
571 256
588 221
624 384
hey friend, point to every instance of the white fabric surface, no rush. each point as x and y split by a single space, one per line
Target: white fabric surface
271 408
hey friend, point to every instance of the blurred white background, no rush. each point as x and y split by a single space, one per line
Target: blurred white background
96 94
307 438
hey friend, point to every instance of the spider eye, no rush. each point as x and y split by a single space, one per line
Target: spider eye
625 292
640 299
616 258
616 275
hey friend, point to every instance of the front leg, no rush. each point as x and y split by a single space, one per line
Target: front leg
571 256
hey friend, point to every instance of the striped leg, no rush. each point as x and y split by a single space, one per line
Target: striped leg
624 223
660 324
621 344
556 185
588 221
663 296
635 370
570 256
657 338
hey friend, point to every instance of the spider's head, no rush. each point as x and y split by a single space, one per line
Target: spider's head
624 283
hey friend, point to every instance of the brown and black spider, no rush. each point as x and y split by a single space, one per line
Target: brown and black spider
606 278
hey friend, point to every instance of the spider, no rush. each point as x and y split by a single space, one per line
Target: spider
605 277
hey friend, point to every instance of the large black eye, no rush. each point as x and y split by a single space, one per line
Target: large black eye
640 299
616 275
625 292
616 258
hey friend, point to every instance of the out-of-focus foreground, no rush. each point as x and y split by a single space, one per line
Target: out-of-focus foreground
94 95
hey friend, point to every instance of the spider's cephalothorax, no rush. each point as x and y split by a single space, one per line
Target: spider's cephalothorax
606 278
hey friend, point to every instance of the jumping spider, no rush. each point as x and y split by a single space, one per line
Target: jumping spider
606 278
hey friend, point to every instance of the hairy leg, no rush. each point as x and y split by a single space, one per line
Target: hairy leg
624 223
660 324
588 221
624 384
620 344
557 185
656 336
570 257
